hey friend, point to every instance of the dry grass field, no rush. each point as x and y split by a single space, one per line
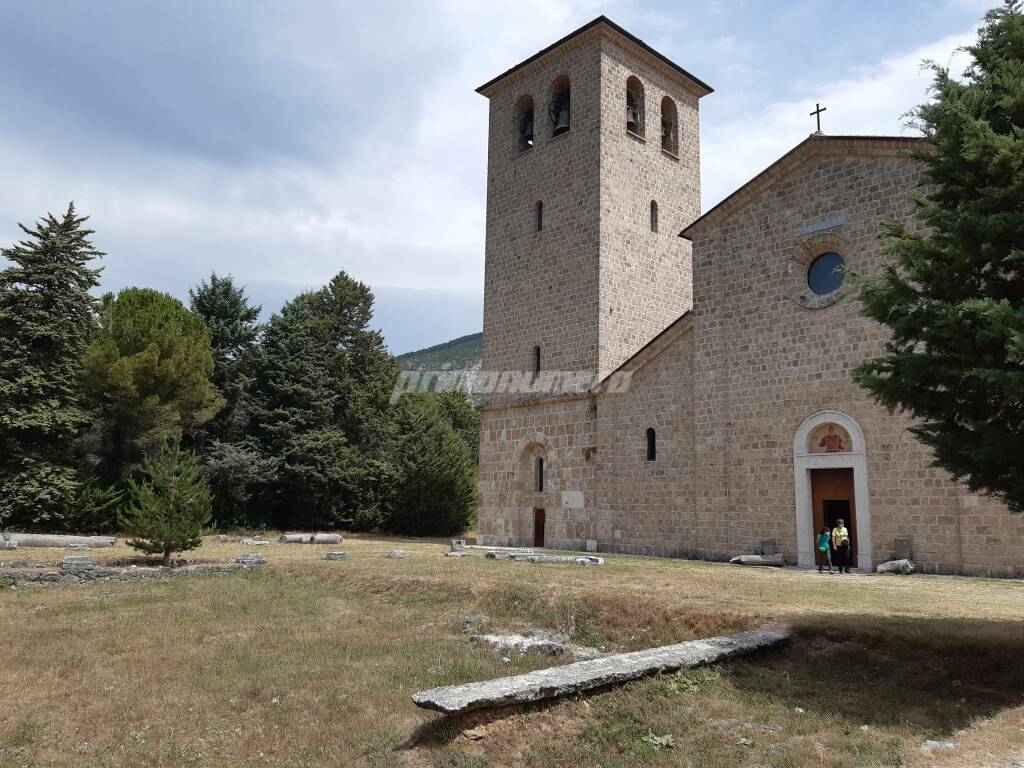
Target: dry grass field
311 663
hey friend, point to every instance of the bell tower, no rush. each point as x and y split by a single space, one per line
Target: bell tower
593 169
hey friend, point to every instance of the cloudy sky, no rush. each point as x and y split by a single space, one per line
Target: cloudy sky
283 141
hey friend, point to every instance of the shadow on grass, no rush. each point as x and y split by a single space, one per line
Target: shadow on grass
934 675
938 675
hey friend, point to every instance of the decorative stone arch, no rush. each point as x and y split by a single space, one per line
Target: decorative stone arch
804 461
560 105
524 123
810 249
528 450
669 127
636 117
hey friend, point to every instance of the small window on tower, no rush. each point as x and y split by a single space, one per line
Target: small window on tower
654 216
669 127
539 474
635 106
652 444
559 109
535 363
524 123
540 215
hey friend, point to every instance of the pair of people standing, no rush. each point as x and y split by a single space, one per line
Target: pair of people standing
834 547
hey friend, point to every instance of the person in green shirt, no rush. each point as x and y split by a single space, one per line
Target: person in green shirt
823 541
841 544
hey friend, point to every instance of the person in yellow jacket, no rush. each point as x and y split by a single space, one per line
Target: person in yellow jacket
841 545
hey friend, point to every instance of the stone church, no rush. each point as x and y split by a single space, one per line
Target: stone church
718 414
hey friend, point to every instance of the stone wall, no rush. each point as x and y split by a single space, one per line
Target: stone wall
646 277
564 434
767 359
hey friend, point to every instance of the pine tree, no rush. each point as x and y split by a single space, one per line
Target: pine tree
437 495
46 317
954 300
234 331
170 505
147 376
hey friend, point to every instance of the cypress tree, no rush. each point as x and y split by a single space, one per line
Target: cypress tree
954 300
437 494
46 317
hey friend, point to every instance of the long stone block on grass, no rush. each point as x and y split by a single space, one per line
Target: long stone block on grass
310 538
55 540
597 673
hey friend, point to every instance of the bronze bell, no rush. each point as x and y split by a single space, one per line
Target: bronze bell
562 124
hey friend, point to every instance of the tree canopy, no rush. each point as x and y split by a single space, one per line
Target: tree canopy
954 297
46 319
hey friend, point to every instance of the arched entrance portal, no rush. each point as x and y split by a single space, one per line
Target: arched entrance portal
831 479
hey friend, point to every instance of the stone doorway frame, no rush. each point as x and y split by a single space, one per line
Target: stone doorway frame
804 462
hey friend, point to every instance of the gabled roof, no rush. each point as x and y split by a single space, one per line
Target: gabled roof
651 349
613 27
813 144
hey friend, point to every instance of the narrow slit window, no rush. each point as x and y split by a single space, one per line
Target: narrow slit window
654 216
535 363
540 474
540 215
652 444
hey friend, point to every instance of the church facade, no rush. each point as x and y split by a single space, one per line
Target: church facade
685 384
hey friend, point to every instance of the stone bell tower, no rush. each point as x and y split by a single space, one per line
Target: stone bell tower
593 169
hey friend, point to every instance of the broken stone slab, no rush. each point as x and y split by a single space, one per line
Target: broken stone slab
4 544
932 745
255 542
574 559
310 538
336 556
251 558
221 538
586 675
48 540
544 644
900 567
772 560
399 554
512 550
504 554
458 553
77 564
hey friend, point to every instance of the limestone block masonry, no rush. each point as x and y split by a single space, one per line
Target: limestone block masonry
735 361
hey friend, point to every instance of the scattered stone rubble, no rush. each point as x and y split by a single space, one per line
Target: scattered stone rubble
529 556
4 544
255 542
336 556
597 673
541 641
78 570
898 567
399 554
247 559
